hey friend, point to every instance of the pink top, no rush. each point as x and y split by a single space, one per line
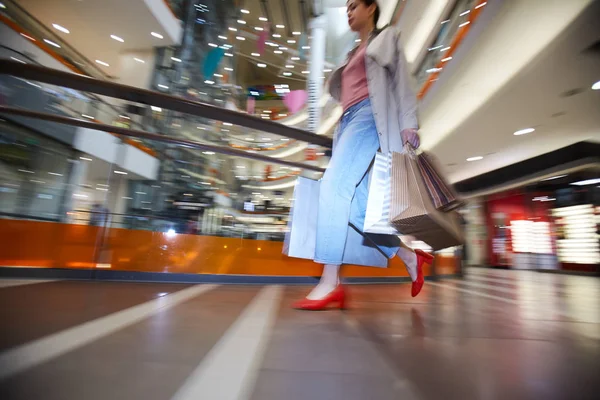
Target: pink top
354 79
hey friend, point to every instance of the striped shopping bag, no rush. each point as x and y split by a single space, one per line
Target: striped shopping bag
441 193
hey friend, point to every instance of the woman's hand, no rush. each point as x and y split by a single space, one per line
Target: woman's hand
411 136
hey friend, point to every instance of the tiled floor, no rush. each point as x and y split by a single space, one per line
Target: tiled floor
494 335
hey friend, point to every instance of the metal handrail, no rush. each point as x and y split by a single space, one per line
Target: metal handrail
143 96
151 136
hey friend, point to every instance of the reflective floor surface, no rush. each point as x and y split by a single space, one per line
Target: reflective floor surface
496 334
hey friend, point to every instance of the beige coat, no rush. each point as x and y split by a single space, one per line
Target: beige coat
392 99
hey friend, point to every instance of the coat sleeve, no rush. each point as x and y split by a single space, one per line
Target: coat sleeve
405 95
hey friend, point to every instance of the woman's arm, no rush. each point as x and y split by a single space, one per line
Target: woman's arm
405 97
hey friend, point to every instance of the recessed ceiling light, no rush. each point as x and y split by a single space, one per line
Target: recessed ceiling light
228 55
296 33
445 49
475 158
305 72
222 37
218 76
2 5
117 38
233 29
464 24
287 74
280 26
554 177
255 54
240 38
102 63
481 5
276 35
587 182
523 131
120 172
162 86
464 13
241 21
50 42
596 86
283 48
261 65
209 82
263 19
176 59
157 109
327 70
61 28
278 52
156 35
444 22
291 41
245 11
446 59
306 47
139 60
289 66
212 45
228 69
258 28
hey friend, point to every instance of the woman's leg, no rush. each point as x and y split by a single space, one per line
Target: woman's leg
356 146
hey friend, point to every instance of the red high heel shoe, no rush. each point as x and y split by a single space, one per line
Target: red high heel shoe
337 295
422 258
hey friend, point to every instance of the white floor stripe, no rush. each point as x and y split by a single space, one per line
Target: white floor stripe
229 370
473 292
34 353
5 283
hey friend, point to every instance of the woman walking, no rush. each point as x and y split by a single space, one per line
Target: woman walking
380 113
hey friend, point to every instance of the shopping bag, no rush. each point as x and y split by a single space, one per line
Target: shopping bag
301 236
377 216
412 211
442 194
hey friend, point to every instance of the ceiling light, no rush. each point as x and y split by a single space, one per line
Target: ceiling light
61 28
208 153
464 13
218 76
250 139
445 22
2 5
445 49
212 45
28 37
596 86
327 70
228 69
280 26
481 5
156 35
464 24
305 72
587 182
263 19
523 131
554 177
245 11
267 111
255 54
176 59
283 48
289 66
102 63
233 29
446 59
291 41
240 38
265 117
139 60
80 196
278 52
54 174
17 60
87 116
163 86
475 158
287 74
276 35
296 33
50 42
124 116
241 167
209 82
120 172
295 58
118 39
222 37
258 28
241 21
85 159
228 54
261 65
305 47
357 40
436 47
157 109
282 115
227 124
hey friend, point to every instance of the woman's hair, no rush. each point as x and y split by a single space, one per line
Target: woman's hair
368 3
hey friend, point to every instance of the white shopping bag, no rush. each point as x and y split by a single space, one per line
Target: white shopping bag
300 240
377 217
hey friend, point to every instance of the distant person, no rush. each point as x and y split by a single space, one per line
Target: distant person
99 215
380 112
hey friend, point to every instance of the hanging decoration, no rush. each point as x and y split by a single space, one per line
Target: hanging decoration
211 63
295 100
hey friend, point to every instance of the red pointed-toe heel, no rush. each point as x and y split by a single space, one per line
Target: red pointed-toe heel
422 258
336 297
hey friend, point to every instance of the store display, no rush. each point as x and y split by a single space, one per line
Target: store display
577 234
